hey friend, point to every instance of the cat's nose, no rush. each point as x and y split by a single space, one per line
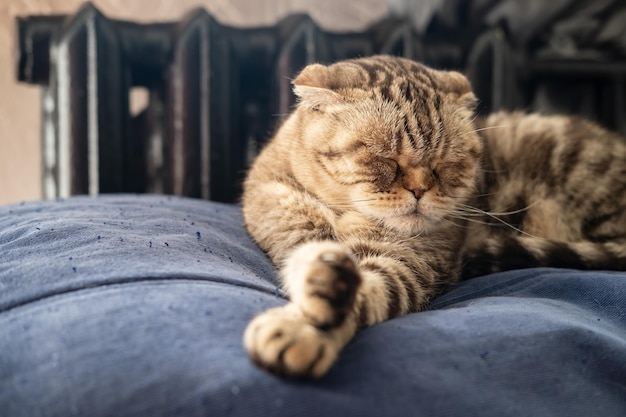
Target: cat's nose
418 192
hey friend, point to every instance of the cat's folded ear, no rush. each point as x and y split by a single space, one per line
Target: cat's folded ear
458 85
313 87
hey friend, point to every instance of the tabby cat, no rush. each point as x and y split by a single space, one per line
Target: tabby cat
382 189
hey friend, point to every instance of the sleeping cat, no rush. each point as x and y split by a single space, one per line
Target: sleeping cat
382 189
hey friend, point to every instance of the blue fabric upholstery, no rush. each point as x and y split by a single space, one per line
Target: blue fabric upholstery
135 306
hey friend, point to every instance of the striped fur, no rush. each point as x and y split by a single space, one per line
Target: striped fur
381 188
561 182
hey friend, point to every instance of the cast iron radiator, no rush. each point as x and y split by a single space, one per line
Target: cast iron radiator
216 93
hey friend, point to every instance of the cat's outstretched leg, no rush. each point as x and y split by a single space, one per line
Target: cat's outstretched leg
332 294
304 337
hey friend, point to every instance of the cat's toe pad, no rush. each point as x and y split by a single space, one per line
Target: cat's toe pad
283 342
323 280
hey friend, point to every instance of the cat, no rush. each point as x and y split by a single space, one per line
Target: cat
383 188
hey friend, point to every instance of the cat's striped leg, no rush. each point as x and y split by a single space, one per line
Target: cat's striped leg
332 295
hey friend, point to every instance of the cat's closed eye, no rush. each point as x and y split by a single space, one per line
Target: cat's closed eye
387 171
393 165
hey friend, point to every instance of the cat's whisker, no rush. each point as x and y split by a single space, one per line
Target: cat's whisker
472 121
337 205
365 200
408 239
485 223
505 223
490 127
350 204
490 213
466 214
460 217
471 196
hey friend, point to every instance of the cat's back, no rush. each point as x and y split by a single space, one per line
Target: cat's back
555 145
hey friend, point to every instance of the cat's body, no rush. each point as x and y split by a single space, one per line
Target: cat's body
560 180
368 200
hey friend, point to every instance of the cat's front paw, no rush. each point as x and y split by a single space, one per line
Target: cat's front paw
282 341
322 280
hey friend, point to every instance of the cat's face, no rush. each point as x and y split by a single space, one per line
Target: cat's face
387 137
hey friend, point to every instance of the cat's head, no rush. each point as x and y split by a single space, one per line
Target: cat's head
388 137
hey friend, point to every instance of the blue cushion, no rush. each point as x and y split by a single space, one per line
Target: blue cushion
135 305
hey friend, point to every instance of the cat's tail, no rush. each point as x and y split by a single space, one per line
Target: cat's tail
517 252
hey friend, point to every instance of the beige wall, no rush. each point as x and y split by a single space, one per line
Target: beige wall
20 151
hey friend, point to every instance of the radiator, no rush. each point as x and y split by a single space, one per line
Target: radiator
216 93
